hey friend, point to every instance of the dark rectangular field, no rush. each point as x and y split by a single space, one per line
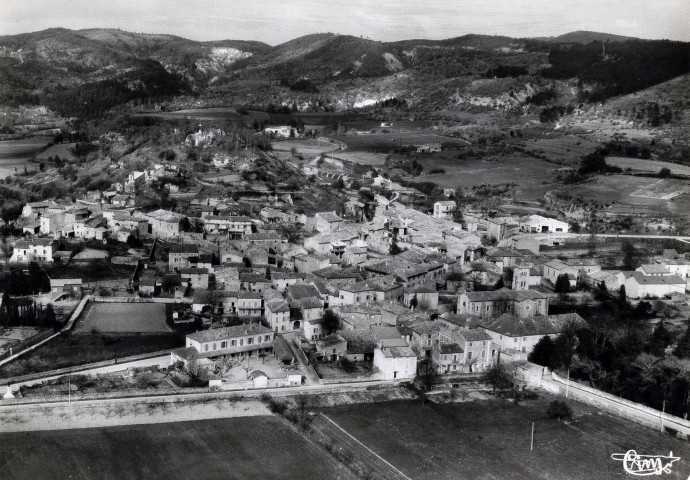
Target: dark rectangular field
237 448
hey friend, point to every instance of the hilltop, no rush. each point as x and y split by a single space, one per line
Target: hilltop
105 68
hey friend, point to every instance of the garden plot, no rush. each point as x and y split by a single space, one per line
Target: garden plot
124 318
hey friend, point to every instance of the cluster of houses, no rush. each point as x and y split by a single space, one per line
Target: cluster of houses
404 285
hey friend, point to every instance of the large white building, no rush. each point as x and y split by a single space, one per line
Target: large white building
539 224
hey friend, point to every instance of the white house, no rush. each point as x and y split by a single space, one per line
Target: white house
165 224
395 360
280 131
574 268
444 209
38 249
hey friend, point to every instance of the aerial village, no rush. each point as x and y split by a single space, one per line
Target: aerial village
376 290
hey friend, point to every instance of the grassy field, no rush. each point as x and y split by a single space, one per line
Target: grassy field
80 348
647 166
15 153
62 150
491 440
237 448
469 172
642 194
124 318
385 142
568 149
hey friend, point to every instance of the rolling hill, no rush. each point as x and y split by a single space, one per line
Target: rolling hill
322 69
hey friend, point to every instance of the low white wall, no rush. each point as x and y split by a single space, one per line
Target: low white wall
98 299
615 405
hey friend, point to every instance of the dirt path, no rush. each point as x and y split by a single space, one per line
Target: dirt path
116 413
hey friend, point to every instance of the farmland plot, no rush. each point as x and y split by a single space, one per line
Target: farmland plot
490 439
470 172
124 318
237 448
647 166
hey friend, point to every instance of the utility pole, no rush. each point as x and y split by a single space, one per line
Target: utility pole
531 445
663 412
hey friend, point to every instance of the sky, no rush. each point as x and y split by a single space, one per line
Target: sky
276 21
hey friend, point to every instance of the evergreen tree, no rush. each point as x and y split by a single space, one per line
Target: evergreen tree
562 284
330 322
395 248
622 295
544 353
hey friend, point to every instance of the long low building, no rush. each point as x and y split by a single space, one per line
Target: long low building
237 341
653 286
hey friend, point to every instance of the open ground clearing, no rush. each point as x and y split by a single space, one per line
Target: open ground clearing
568 149
491 440
471 172
642 194
647 166
124 318
15 153
257 447
62 150
385 142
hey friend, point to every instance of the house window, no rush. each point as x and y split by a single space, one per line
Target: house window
469 355
241 341
206 347
215 346
484 353
223 344
233 343
250 341
470 344
267 338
